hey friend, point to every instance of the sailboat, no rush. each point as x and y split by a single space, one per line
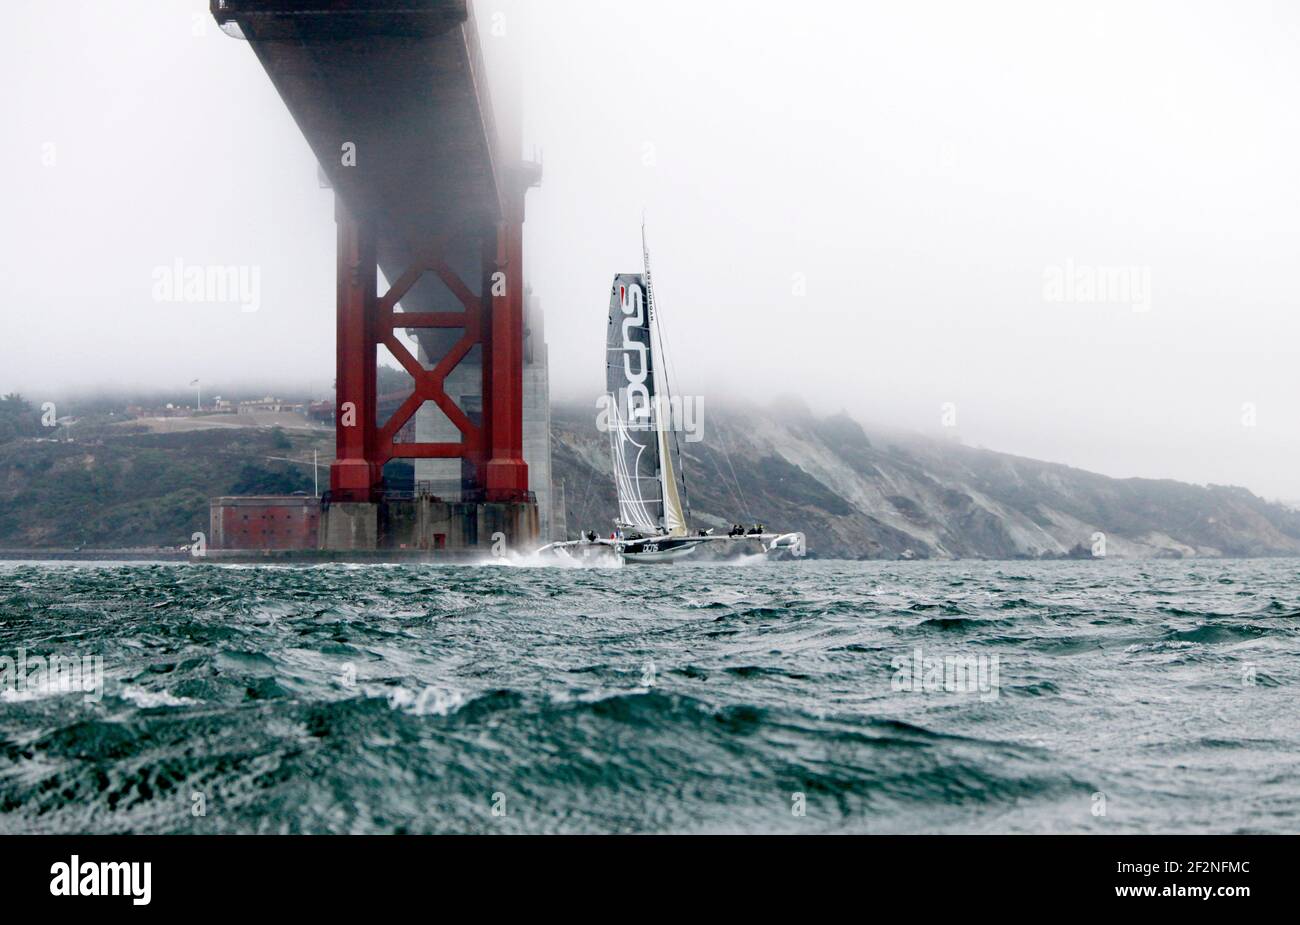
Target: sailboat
653 522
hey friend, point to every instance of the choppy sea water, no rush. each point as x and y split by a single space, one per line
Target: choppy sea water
1097 696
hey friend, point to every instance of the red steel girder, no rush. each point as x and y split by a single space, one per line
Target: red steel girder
506 477
366 321
354 475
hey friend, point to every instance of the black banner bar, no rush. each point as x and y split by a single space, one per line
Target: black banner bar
327 874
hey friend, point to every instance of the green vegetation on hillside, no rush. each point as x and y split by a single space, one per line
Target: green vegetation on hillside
116 488
18 418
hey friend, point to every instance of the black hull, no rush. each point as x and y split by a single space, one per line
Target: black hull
657 549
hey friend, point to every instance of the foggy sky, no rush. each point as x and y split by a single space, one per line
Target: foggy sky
858 203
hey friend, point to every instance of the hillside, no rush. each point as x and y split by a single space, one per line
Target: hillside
856 493
865 494
119 488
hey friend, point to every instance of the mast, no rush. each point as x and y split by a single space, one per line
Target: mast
674 519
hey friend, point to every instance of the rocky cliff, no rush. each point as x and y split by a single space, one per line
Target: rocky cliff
862 493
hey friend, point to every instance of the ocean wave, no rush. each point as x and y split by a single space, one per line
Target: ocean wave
404 699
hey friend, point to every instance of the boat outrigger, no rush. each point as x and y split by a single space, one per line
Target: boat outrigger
653 522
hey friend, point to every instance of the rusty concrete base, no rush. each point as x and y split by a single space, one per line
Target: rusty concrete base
490 528
292 526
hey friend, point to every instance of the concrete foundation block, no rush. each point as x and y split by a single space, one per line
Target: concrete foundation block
350 526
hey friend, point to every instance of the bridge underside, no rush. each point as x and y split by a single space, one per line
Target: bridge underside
391 97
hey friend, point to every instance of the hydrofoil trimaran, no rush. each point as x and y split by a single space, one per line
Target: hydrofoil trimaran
652 523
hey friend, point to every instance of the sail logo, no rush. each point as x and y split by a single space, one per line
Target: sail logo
638 389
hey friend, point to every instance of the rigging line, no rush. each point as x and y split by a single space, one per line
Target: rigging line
738 494
658 378
681 464
744 505
662 330
677 446
586 497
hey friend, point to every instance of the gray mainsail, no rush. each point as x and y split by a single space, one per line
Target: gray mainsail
633 423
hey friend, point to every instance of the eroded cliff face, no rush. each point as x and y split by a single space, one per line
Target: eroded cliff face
862 493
